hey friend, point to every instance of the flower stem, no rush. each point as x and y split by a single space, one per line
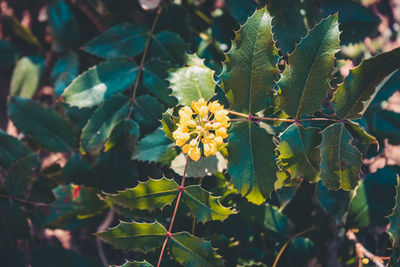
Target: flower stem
171 224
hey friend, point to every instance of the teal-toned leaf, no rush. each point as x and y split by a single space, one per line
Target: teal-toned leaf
64 72
175 18
389 87
103 121
155 147
357 91
155 73
41 190
359 133
19 176
251 161
386 125
122 40
135 264
8 54
300 252
63 27
240 10
78 171
149 195
340 160
374 199
168 46
394 218
299 153
135 236
305 81
14 220
147 111
192 82
250 67
126 132
203 167
11 150
101 82
49 256
193 251
26 76
43 123
203 205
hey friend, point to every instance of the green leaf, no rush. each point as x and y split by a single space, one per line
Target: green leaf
193 251
78 171
155 147
359 133
203 205
251 161
192 82
64 72
44 124
250 67
205 166
299 153
374 199
103 121
168 46
175 18
357 91
26 76
135 264
122 40
386 125
135 236
340 160
63 27
14 220
240 10
126 132
147 111
300 252
21 31
169 122
394 218
19 176
11 150
305 81
8 54
150 195
101 82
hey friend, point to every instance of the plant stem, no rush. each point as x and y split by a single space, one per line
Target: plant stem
26 201
171 224
141 65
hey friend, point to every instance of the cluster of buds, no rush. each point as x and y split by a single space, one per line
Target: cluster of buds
201 123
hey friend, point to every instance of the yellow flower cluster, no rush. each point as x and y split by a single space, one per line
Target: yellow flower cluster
201 122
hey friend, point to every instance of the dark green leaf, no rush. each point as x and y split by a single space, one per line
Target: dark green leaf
240 10
78 171
299 153
175 18
64 71
357 91
19 176
168 46
11 150
101 82
300 252
359 133
14 220
251 161
147 112
21 31
50 256
126 132
155 147
135 236
394 218
8 54
150 195
251 65
26 76
103 121
305 81
122 40
193 251
192 82
135 264
340 160
169 122
386 125
41 190
44 124
387 90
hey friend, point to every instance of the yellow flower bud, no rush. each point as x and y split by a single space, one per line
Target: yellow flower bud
191 123
185 148
221 132
194 153
193 142
215 106
197 105
218 140
185 111
207 149
203 111
220 114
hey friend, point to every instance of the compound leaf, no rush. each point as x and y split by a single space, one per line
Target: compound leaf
168 46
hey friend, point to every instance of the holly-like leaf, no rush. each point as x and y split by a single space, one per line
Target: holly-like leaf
168 46
203 205
11 150
251 161
26 76
14 220
305 81
19 176
340 160
299 153
44 124
135 236
359 133
149 195
251 65
354 95
126 132
103 121
193 251
240 10
135 264
192 82
122 40
101 82
394 218
374 199
147 111
155 147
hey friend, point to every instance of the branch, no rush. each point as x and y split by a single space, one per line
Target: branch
26 201
103 226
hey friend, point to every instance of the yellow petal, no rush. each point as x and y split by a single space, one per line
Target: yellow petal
203 111
194 153
185 148
221 132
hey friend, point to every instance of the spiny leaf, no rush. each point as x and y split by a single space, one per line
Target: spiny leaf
135 236
250 68
44 124
149 195
193 251
135 264
203 205
147 111
251 161
11 150
305 81
357 91
155 147
168 46
103 121
340 160
122 40
394 218
192 82
299 153
359 133
101 82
